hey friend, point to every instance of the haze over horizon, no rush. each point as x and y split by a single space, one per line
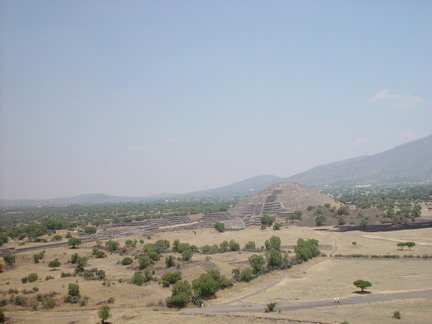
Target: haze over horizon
138 98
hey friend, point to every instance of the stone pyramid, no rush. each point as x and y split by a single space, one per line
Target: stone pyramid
280 199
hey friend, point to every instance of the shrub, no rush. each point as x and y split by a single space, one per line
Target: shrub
140 278
32 277
306 250
169 261
112 246
236 274
90 230
234 246
48 303
2 316
270 307
73 290
277 226
126 261
187 255
396 315
150 252
9 259
171 277
143 262
100 274
74 258
65 274
257 262
220 226
223 247
181 294
246 275
160 246
89 276
49 278
57 238
273 243
38 256
274 259
19 301
209 283
100 254
250 245
267 220
104 313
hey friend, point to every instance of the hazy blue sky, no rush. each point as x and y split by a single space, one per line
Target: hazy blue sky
135 98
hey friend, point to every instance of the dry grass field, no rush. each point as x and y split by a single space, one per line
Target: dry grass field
313 284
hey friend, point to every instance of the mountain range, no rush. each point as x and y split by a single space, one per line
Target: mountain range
410 163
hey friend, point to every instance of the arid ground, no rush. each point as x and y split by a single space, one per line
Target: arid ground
303 293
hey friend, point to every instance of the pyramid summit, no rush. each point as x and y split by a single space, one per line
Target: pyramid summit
280 199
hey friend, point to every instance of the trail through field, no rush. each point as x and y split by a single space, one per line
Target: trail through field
225 308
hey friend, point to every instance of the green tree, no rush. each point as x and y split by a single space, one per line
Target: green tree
160 246
273 243
223 247
187 255
410 245
73 242
54 264
176 244
104 313
209 283
267 220
73 290
234 246
274 259
143 261
257 262
362 284
306 250
138 279
249 246
111 245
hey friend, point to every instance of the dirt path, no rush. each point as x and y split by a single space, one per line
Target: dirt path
225 308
